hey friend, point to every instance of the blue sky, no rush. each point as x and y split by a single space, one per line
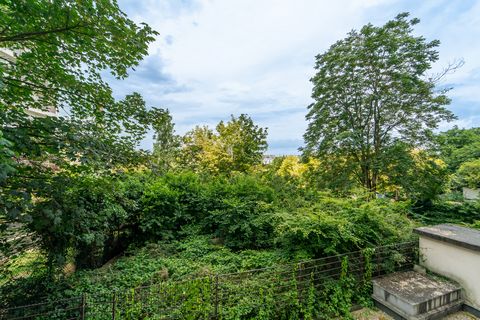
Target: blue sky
216 58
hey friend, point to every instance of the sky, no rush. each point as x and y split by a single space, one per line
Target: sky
215 58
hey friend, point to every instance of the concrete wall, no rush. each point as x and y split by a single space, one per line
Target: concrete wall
455 262
471 194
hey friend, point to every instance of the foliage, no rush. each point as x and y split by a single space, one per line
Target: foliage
370 92
21 265
238 210
6 164
103 218
58 52
242 143
468 174
414 174
236 146
243 216
259 295
89 214
336 299
457 146
444 211
333 226
166 146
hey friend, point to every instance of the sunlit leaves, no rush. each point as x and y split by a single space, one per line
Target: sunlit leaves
370 91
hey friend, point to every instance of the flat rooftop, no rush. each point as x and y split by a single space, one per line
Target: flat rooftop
461 236
415 287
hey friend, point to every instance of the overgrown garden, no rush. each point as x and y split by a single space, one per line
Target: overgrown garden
84 210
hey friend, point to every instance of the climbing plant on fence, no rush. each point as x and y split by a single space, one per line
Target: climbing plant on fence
316 289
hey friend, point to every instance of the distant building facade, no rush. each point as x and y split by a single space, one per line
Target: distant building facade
268 158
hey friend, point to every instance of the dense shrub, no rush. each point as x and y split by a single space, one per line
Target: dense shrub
87 218
335 225
243 213
441 211
237 210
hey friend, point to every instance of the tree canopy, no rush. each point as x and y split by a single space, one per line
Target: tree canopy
371 91
468 174
456 146
237 145
54 56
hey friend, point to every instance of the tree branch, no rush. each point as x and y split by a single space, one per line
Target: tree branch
31 35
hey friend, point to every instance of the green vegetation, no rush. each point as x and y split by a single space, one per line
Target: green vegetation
468 174
373 102
235 146
84 211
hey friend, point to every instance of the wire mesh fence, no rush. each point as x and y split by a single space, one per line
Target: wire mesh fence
273 292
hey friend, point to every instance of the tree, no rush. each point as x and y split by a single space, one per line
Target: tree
235 146
197 149
414 174
371 91
242 142
58 51
468 175
166 145
457 146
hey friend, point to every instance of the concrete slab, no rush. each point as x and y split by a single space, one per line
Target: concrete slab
417 296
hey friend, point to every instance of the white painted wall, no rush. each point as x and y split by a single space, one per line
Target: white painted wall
455 262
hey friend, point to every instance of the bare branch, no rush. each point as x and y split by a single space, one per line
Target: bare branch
451 68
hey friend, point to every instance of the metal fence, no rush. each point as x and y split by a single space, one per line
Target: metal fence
275 290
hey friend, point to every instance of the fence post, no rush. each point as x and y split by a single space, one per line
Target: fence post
215 312
114 302
84 302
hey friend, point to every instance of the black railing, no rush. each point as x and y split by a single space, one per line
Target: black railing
264 291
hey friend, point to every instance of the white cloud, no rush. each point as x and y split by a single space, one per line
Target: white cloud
256 56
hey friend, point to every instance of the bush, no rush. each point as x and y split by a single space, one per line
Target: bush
238 210
87 218
441 211
333 226
243 215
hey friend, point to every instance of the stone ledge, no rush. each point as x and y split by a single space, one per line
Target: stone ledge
398 314
453 234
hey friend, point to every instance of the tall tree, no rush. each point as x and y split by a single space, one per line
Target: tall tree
52 57
166 145
371 90
237 145
242 142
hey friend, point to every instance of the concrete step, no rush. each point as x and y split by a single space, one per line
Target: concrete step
414 296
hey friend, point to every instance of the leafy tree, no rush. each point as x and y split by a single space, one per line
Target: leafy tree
370 91
166 145
235 146
414 174
291 167
58 51
459 145
6 163
468 175
242 142
197 149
